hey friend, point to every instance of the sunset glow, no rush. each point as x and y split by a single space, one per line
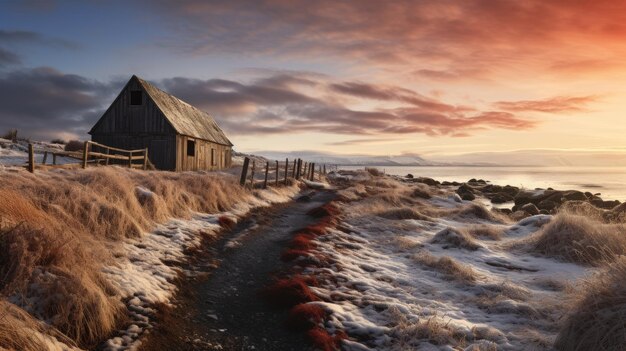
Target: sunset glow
367 77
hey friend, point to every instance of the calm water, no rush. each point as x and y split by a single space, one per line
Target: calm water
609 181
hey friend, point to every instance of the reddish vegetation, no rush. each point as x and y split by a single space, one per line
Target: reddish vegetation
226 222
306 316
295 291
290 291
328 210
303 242
324 341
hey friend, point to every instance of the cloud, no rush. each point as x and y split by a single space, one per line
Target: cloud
8 58
282 103
438 39
559 104
352 142
44 102
9 37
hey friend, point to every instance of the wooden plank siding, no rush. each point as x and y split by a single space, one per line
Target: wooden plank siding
202 160
142 126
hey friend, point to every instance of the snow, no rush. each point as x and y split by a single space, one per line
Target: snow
384 298
16 153
144 272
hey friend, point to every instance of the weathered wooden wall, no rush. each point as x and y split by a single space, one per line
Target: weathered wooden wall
203 159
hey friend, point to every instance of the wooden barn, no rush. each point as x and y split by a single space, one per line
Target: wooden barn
178 136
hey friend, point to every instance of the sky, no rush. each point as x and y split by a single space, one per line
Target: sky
432 77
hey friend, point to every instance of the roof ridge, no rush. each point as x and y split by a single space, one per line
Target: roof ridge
194 122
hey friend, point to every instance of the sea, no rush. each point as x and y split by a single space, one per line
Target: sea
610 182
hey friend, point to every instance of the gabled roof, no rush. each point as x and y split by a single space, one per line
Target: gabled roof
185 118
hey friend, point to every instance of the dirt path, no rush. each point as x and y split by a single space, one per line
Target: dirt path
224 311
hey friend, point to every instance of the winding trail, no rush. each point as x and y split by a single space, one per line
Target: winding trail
224 311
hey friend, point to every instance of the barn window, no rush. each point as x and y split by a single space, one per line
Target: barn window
191 148
136 97
212 157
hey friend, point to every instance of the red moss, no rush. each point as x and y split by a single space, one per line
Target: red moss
328 210
322 340
291 291
226 222
303 241
318 229
305 316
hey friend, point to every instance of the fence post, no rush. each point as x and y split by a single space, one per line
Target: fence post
106 162
299 168
130 159
252 174
324 169
267 169
85 154
145 159
45 157
244 171
312 171
286 169
31 159
277 172
54 159
293 173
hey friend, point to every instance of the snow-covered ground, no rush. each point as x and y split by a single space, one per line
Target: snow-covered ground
425 284
16 153
146 270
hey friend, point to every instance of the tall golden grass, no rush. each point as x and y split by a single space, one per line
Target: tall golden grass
580 239
598 319
59 226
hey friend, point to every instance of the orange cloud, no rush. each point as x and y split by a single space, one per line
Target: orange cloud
560 104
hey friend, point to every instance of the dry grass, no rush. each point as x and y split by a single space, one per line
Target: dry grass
579 239
404 213
20 331
61 224
597 320
492 232
447 266
458 238
476 211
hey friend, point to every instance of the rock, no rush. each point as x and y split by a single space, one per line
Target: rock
530 208
410 176
428 181
467 196
574 195
547 205
588 194
465 188
597 202
466 192
544 212
501 198
446 183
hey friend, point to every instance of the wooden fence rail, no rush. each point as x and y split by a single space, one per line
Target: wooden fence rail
102 153
300 169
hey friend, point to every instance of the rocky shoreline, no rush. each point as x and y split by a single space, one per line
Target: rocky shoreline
527 202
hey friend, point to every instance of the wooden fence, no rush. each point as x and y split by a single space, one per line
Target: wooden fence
94 153
294 169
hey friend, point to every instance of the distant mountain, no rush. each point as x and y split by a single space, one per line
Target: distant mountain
518 158
352 160
543 157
